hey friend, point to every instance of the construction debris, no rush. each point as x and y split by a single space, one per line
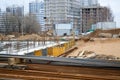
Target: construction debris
107 57
92 55
96 33
105 35
86 54
116 36
1 37
85 39
30 37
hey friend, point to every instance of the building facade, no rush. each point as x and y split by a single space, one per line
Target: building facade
37 8
8 24
15 10
2 27
93 14
89 2
62 11
104 25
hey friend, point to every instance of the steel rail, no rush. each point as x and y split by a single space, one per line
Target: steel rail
68 61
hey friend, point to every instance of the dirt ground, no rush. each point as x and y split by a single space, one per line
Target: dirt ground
50 72
100 46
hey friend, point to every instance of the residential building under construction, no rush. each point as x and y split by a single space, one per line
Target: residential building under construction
93 14
62 11
59 52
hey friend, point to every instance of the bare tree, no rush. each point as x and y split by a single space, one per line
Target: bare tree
31 24
14 23
19 22
10 23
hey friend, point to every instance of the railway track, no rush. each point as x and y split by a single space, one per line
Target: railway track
50 72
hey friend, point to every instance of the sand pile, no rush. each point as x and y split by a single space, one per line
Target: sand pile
30 37
97 32
105 48
1 37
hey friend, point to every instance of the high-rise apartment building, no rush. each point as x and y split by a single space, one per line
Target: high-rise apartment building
62 11
2 28
93 14
3 24
37 8
8 24
15 10
82 13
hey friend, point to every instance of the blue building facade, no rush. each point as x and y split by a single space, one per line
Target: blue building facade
15 10
37 8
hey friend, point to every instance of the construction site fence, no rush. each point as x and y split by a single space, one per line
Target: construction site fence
55 50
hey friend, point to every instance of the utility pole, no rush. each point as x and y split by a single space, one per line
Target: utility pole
46 19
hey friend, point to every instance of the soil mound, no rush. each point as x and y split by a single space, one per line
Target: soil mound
97 32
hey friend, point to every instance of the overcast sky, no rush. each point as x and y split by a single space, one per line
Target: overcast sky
113 4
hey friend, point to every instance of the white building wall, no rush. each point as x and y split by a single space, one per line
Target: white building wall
61 29
106 25
62 11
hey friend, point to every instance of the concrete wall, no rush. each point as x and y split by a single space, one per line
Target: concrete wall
106 25
61 32
61 29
